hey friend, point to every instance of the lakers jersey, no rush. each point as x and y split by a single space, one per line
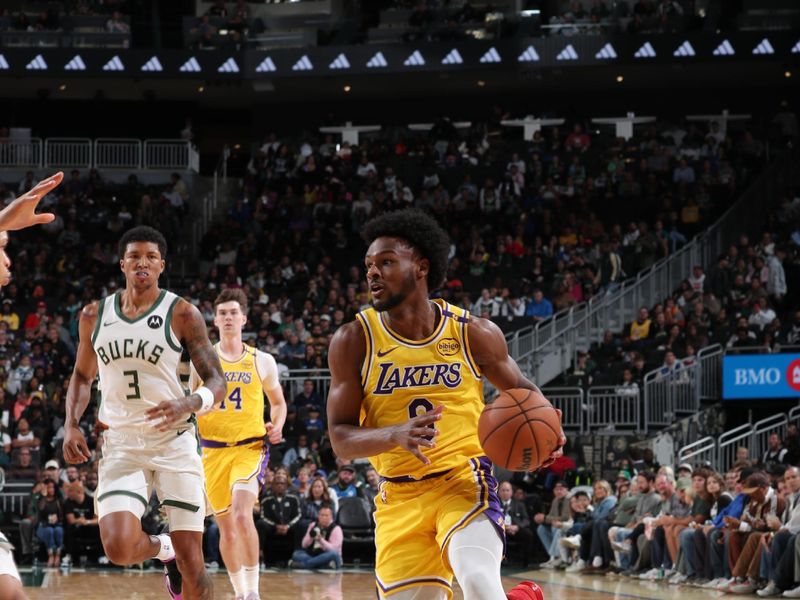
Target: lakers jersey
137 360
240 415
403 378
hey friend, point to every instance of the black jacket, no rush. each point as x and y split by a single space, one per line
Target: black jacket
283 511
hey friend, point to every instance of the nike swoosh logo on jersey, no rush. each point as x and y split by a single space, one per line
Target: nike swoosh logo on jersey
383 353
110 323
182 431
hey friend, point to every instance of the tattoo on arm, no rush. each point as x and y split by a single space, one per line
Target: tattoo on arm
202 354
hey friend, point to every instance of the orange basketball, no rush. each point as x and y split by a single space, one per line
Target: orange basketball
519 430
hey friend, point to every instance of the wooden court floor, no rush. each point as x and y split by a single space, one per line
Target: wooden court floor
300 585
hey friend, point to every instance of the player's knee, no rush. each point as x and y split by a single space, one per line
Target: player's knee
475 585
118 550
243 519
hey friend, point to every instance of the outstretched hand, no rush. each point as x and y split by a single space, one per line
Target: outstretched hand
21 213
418 433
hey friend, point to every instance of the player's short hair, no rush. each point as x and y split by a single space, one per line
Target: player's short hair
143 233
232 295
422 232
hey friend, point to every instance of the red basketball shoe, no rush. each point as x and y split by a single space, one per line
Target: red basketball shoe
527 590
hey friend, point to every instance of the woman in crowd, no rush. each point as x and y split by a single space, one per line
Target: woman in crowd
51 524
318 496
604 502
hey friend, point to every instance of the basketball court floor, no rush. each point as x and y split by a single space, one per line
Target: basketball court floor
348 585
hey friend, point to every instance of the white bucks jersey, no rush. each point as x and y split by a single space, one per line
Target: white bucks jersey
137 359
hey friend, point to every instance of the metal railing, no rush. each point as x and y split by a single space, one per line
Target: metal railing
728 442
14 497
170 154
794 415
68 153
584 324
613 408
704 449
569 400
709 360
25 154
763 429
115 153
293 384
102 153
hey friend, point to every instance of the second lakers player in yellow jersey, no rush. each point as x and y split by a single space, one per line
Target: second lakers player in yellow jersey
234 441
406 392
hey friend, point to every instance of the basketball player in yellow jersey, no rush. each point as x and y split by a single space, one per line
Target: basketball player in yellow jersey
406 391
233 438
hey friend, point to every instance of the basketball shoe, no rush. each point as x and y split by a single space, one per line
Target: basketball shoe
527 590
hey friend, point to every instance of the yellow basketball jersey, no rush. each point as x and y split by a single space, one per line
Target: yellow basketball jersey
241 415
403 378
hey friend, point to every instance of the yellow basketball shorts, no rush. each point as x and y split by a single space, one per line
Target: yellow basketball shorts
227 466
415 520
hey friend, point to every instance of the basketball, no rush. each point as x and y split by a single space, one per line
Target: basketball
519 430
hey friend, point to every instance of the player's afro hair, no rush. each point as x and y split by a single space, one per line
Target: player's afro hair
143 233
422 232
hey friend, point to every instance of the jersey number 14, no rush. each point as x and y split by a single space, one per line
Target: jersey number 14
235 397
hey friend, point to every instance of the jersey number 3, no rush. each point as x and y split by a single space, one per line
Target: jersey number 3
236 397
417 408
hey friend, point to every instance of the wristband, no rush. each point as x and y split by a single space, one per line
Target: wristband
207 396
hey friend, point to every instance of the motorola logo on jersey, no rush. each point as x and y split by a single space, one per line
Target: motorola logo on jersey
155 322
415 376
130 348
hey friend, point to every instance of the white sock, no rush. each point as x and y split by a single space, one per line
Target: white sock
237 581
250 579
166 553
597 561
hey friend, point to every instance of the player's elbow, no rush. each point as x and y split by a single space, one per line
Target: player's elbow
339 443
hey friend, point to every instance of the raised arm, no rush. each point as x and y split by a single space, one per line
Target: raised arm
348 438
80 388
190 328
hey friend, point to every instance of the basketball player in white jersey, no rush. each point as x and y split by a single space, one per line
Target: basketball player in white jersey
233 437
134 339
19 215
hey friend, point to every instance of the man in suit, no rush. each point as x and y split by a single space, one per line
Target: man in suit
517 523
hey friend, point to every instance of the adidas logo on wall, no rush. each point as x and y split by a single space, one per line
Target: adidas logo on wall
76 64
415 60
491 56
685 49
152 65
190 66
266 66
529 55
229 66
646 51
3 63
567 53
340 62
606 52
304 64
453 58
378 61
37 64
724 49
115 64
764 48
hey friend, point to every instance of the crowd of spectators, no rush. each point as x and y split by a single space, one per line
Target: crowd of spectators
639 16
733 532
744 303
59 17
524 219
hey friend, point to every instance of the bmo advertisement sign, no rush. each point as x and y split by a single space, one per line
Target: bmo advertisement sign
761 376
